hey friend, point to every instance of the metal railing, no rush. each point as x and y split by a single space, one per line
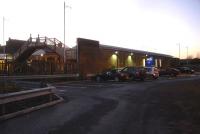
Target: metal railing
41 41
71 54
21 49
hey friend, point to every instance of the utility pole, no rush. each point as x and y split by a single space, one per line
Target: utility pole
3 31
179 50
187 54
187 51
64 36
64 31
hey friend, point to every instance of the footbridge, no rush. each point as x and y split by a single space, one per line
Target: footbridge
33 44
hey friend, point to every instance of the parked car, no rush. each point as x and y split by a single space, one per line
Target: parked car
152 72
109 74
132 73
186 70
169 71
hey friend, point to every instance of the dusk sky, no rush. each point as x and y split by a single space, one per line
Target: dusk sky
150 25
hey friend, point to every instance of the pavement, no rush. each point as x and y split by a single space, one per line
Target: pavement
163 106
39 77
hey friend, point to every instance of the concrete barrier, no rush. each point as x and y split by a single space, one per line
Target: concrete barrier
23 95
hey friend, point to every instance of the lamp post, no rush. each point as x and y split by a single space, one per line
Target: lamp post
64 37
187 54
3 30
64 26
179 52
64 57
4 48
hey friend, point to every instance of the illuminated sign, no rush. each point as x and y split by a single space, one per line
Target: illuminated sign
149 62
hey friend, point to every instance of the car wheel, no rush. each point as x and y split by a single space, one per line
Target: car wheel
116 79
98 78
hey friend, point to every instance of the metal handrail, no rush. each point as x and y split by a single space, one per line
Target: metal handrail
21 48
37 42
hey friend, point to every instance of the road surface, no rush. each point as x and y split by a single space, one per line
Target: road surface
164 106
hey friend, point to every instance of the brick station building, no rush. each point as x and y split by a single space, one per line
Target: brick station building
93 57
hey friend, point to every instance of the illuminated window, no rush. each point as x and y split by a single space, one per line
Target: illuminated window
160 62
1 64
114 57
113 60
130 60
143 62
156 63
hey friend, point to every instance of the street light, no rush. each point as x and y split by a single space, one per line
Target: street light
187 54
4 50
131 54
3 30
64 31
179 50
187 51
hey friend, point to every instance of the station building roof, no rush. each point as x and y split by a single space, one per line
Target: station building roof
133 51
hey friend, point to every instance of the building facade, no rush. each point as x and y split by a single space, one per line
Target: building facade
93 57
88 57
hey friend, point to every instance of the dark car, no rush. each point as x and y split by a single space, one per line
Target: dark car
132 73
186 70
109 74
169 71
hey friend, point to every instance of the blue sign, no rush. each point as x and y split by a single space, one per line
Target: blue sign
149 62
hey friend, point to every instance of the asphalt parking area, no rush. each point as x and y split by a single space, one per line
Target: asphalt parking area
94 84
149 107
90 84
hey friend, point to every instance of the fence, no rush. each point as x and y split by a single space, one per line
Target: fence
42 68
